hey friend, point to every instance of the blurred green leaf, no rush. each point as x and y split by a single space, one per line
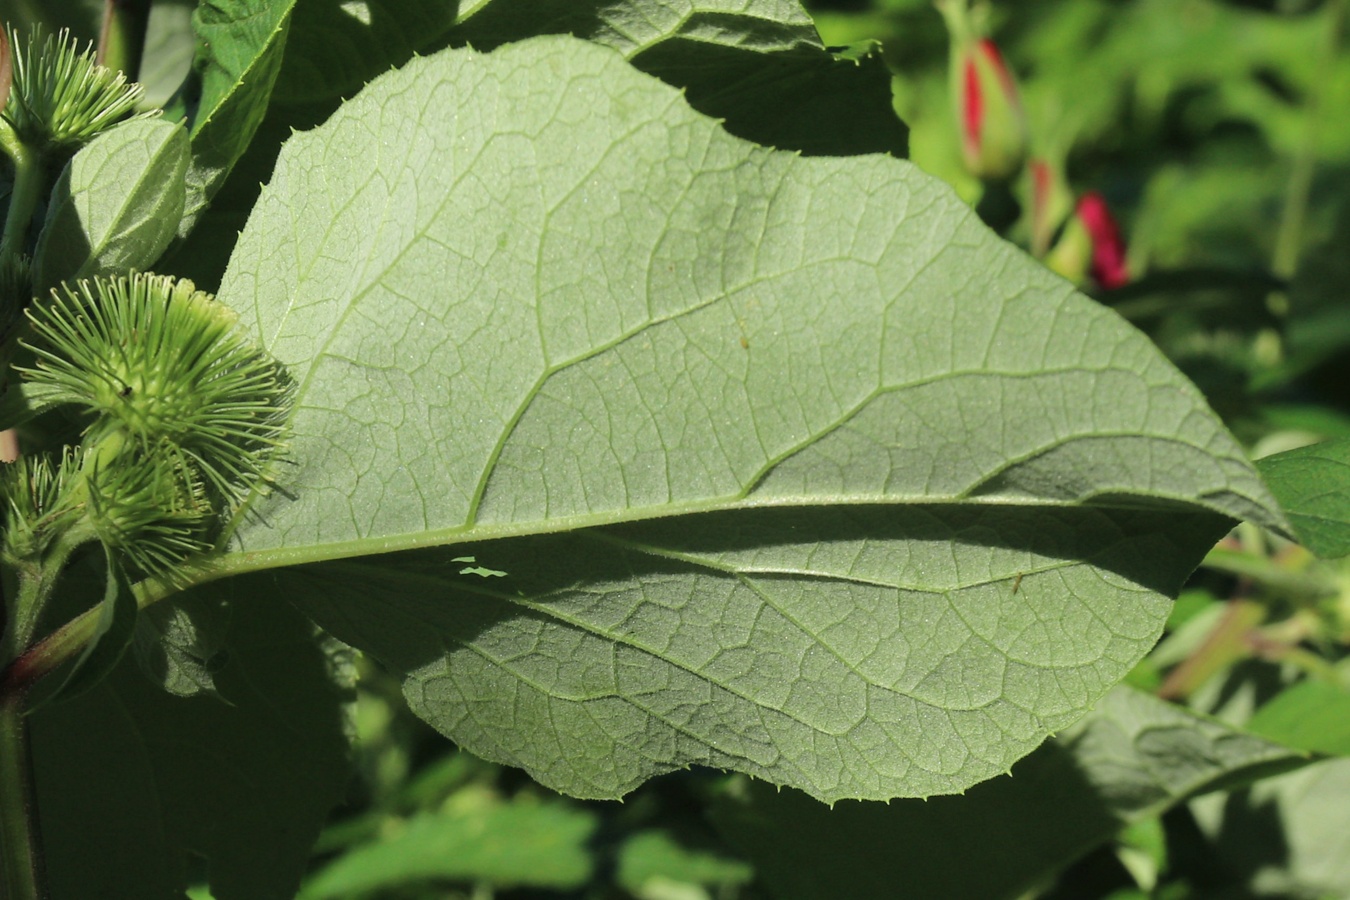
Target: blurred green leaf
82 17
504 845
652 860
1313 485
1131 758
1312 715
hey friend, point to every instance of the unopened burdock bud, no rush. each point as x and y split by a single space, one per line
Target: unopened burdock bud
988 106
163 369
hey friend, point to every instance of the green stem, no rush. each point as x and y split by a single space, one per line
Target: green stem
66 642
23 198
21 875
1298 586
22 612
121 44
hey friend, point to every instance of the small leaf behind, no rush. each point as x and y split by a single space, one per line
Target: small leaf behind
116 205
1313 485
542 846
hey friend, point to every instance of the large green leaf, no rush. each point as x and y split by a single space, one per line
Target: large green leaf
134 783
1131 758
872 502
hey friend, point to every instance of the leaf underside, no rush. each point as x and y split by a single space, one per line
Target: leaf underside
791 465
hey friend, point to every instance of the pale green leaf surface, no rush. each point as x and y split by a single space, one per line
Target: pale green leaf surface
132 780
507 845
532 291
116 205
1313 485
1131 758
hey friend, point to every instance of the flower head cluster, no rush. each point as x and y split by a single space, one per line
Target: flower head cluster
59 95
185 411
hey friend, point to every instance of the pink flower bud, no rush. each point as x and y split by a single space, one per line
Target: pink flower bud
988 107
1090 245
1108 248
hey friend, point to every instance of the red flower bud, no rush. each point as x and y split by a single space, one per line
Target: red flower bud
1091 245
988 107
1108 248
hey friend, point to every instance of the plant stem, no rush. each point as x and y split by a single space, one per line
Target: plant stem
66 642
21 875
121 44
23 606
1299 586
27 188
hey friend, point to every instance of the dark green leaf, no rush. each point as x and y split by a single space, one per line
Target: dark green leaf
1313 485
335 48
180 644
1133 757
758 65
241 43
132 781
82 17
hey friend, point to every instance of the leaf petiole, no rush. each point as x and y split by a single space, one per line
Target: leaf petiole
26 191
